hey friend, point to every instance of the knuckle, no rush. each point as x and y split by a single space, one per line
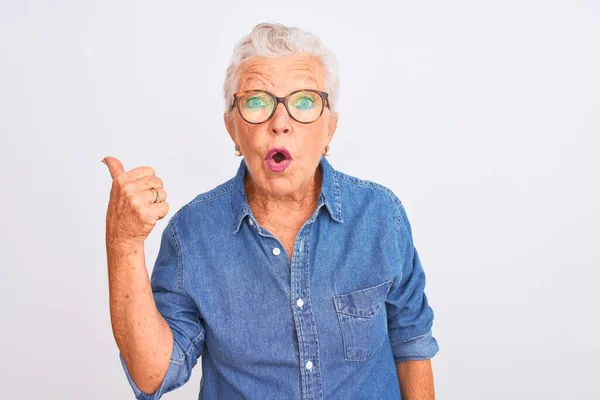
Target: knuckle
164 210
148 169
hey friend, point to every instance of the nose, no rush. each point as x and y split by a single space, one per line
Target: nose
280 121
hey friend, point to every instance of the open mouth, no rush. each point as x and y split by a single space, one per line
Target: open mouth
278 155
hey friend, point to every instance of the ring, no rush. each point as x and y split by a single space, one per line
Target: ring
157 197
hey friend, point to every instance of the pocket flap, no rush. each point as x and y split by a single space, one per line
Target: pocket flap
363 302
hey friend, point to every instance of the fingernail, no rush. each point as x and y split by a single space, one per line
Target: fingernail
103 161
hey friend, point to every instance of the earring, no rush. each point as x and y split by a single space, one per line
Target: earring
326 150
238 153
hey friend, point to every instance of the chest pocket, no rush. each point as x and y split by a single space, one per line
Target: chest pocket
363 320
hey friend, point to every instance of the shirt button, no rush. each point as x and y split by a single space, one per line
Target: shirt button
276 251
309 364
251 222
300 303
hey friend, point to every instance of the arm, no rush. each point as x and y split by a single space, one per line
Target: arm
141 333
162 354
156 324
410 319
416 380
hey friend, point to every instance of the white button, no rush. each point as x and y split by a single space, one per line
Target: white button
309 364
276 251
300 302
251 222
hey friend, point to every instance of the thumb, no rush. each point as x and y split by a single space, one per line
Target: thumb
114 166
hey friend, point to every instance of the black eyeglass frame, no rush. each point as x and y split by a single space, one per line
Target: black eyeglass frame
324 102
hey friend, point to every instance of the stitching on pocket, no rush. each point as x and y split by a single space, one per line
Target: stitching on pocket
355 316
358 303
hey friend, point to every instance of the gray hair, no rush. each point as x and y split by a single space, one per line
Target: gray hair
276 40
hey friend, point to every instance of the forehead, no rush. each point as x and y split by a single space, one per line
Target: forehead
282 75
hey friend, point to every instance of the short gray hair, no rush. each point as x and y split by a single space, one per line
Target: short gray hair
275 40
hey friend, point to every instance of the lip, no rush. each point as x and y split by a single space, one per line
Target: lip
274 150
278 167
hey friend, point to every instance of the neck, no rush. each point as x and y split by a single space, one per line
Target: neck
304 200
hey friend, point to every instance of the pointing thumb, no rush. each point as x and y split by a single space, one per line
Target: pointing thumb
114 166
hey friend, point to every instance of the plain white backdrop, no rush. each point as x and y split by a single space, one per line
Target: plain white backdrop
482 116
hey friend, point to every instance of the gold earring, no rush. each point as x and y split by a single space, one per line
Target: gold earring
326 150
238 153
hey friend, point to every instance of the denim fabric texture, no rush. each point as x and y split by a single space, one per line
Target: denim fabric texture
330 324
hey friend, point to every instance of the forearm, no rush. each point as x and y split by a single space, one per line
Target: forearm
143 336
416 380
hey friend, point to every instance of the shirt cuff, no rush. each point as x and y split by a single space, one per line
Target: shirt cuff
171 381
421 347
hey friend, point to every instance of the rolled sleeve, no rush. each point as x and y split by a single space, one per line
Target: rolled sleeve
179 311
421 347
410 318
171 381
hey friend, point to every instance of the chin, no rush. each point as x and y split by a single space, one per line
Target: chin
281 186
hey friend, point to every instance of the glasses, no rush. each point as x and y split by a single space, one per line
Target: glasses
257 106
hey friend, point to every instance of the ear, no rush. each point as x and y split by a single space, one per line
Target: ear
333 121
230 126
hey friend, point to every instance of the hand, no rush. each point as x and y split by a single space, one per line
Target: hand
132 213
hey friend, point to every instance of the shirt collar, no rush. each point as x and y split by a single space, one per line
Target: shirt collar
329 195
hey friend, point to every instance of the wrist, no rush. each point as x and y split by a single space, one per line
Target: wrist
123 245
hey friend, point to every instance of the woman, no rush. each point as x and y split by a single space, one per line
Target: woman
292 280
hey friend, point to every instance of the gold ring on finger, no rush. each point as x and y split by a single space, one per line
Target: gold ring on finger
157 197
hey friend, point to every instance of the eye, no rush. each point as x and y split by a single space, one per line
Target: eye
255 102
304 102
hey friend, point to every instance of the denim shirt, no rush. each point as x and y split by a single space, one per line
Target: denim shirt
330 324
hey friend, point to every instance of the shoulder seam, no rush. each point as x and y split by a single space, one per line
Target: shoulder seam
367 183
173 229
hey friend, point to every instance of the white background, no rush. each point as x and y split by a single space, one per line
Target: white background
482 116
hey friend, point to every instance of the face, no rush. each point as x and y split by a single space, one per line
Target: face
304 142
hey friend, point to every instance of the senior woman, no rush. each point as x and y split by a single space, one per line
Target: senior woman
292 279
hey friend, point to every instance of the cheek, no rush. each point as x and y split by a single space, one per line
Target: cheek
250 136
254 142
314 138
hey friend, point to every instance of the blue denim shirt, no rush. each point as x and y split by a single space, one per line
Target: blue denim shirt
330 324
